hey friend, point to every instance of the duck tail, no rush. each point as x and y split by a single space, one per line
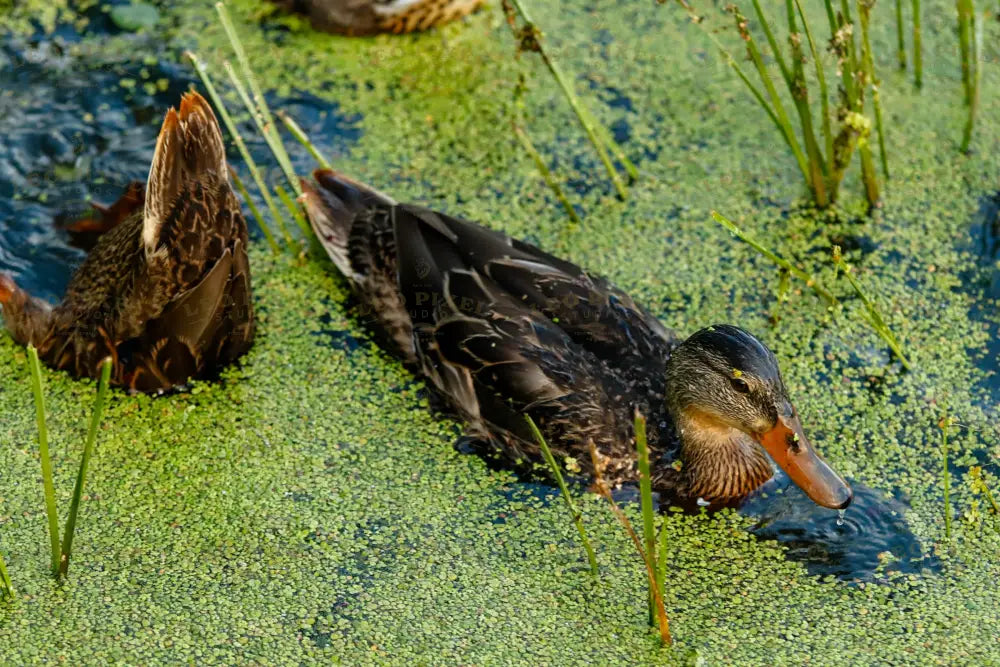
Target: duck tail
333 204
27 318
189 149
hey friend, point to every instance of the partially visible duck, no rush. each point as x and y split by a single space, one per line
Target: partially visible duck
369 17
502 329
165 292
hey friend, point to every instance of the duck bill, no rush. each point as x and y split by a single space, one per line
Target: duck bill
790 449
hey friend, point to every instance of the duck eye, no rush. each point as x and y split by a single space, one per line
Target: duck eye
740 385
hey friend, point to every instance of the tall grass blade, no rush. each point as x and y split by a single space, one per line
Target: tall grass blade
944 424
43 454
810 282
824 92
918 47
977 59
574 512
602 488
260 111
546 173
864 15
300 135
95 422
6 585
900 36
254 211
874 317
529 38
646 503
241 146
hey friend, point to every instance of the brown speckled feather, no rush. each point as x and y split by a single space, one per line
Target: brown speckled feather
165 292
369 17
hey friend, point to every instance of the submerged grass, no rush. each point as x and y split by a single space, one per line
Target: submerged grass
43 454
647 557
574 512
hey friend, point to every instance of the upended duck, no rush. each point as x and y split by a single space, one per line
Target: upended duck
369 17
165 292
503 329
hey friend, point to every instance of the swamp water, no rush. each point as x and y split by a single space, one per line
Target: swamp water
310 507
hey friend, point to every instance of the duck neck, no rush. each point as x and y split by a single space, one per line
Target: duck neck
720 463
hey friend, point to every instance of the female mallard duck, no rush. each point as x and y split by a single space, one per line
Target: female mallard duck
165 292
503 329
369 17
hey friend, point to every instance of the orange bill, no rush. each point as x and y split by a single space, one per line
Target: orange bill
792 451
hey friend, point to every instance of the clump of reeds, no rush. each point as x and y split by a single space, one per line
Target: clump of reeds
822 164
61 553
529 38
557 474
873 316
944 424
646 546
970 40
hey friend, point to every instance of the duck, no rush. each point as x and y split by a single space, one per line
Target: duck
358 18
165 291
501 329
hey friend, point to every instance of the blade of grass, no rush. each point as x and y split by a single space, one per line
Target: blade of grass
965 18
301 136
529 37
864 15
603 489
574 512
261 112
95 421
254 210
944 424
824 92
241 91
646 503
547 175
43 454
977 56
307 233
241 146
874 317
6 585
900 36
918 47
810 282
976 472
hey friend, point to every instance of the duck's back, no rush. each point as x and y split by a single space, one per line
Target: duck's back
500 327
369 17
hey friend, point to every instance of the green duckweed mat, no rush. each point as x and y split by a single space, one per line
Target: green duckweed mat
308 508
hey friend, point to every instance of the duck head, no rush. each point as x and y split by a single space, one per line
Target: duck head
730 405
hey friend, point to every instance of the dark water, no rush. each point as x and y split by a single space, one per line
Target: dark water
76 129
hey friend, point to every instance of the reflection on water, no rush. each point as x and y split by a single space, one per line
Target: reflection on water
869 541
985 232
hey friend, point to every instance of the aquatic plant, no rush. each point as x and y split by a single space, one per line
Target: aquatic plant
300 135
6 586
557 474
822 168
944 424
918 47
872 315
970 40
529 38
60 553
649 559
241 146
978 486
900 35
646 505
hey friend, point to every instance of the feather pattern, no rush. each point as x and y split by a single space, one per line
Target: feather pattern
369 17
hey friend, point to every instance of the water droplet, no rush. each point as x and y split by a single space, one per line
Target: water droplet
840 517
703 503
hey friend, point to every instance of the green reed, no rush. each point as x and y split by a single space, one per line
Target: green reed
646 505
979 486
574 512
6 585
43 453
546 173
900 35
970 42
822 163
254 211
241 146
88 449
648 558
300 135
864 17
918 47
529 38
874 317
944 424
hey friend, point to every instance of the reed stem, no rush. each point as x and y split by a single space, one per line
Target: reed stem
918 47
530 38
241 146
874 317
546 173
300 220
260 111
965 18
900 35
944 424
602 488
977 55
824 93
254 211
43 453
810 282
864 15
646 503
300 135
6 585
574 512
88 449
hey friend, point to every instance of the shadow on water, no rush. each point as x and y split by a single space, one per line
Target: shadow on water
983 283
79 123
